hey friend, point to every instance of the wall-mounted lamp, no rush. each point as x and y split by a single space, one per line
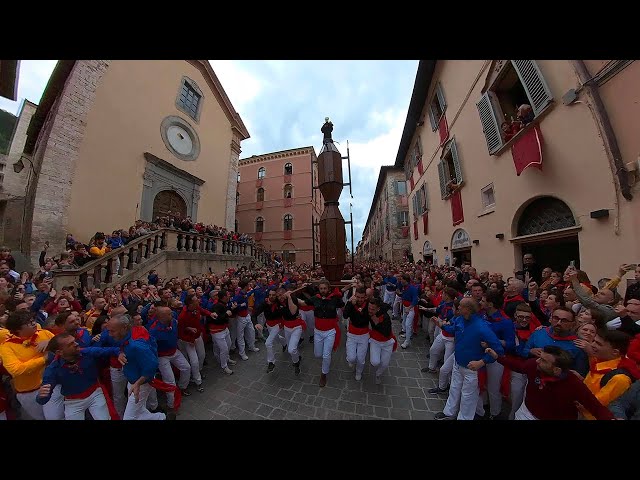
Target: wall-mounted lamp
476 242
604 213
499 236
446 248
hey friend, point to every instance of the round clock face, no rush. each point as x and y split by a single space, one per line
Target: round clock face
180 139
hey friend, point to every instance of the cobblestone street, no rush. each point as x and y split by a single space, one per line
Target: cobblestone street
252 394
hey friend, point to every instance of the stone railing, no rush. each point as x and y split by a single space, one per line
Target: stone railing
122 261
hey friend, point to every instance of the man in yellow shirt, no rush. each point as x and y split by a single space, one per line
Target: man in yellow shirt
23 357
609 376
98 309
100 247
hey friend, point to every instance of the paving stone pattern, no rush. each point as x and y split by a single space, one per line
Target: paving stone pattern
252 394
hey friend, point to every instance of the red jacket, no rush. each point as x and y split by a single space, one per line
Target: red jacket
193 319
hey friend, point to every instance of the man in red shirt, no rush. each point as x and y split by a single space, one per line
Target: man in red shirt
552 391
190 341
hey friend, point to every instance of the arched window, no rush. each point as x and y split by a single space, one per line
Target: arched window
261 173
288 191
543 215
260 195
288 222
288 169
259 225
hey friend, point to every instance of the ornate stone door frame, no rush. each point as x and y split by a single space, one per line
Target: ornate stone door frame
160 175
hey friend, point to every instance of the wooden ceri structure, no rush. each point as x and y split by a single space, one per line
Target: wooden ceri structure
332 225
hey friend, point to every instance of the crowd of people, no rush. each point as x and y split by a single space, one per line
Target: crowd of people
544 344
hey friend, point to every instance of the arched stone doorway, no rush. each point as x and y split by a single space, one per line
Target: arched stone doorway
460 247
427 252
547 228
289 253
170 203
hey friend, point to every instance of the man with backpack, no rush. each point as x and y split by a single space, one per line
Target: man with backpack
611 373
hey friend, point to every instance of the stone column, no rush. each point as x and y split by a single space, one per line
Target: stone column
230 213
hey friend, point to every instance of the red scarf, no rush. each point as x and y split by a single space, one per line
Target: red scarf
557 337
515 298
31 342
625 363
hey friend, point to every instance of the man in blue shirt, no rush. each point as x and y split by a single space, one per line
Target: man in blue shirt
140 367
560 333
470 329
76 371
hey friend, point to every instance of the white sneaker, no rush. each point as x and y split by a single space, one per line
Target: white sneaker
227 370
255 349
358 376
244 356
378 379
405 345
351 365
231 362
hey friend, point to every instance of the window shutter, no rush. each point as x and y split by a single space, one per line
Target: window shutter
440 95
456 162
395 188
432 120
425 201
490 126
443 180
534 84
415 230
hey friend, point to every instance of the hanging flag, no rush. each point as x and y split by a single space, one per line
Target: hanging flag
527 150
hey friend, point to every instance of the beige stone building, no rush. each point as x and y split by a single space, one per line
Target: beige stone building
386 233
565 187
277 203
116 140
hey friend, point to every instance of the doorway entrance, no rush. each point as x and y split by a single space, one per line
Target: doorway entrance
427 252
556 253
169 203
460 256
547 225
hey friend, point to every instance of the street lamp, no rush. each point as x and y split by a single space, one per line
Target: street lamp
19 165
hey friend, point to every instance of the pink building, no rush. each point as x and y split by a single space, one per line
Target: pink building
277 204
562 183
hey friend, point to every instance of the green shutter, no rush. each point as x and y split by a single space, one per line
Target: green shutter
456 162
443 180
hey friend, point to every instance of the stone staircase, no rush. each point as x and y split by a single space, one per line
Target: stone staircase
170 252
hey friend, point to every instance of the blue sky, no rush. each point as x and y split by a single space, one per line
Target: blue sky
284 103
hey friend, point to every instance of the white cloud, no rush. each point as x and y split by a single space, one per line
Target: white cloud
34 75
240 85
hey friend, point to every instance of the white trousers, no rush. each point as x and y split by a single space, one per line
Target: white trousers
310 320
30 406
432 331
463 394
194 353
95 403
357 346
408 313
389 297
118 386
54 408
397 306
380 355
518 386
221 346
164 365
494 379
139 411
441 349
523 413
274 333
322 347
233 331
245 331
292 338
444 376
